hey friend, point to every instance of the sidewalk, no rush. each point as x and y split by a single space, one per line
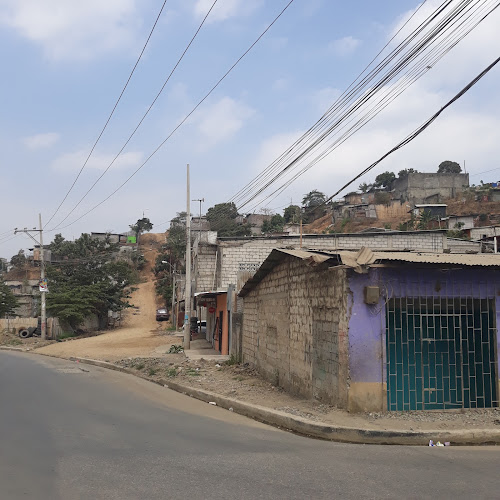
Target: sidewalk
238 388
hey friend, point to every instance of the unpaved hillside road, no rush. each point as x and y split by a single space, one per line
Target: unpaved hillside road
139 337
71 432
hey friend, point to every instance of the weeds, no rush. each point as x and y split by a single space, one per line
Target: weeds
171 372
152 371
66 335
192 372
233 360
139 366
175 349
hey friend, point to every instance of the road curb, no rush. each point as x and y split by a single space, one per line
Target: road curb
5 348
314 429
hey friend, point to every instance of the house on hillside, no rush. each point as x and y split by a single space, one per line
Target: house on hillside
435 211
376 331
462 222
256 222
428 187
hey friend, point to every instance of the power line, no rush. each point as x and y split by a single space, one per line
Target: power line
437 42
346 135
418 131
110 115
485 172
143 117
184 119
298 141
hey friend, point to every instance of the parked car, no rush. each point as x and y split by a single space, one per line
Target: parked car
162 315
202 326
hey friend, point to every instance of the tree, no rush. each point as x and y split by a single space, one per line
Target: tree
404 173
364 187
449 167
18 260
8 301
291 214
141 226
313 199
84 246
92 282
273 225
385 179
222 218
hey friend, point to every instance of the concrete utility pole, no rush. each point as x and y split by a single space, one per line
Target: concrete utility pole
173 300
42 279
199 220
187 299
42 272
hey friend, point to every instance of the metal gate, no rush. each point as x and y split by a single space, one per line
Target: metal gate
441 353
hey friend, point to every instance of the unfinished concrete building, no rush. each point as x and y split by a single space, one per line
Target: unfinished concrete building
428 187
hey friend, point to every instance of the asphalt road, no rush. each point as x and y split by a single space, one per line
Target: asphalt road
71 431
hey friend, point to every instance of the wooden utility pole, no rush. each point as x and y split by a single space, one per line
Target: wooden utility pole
43 289
187 298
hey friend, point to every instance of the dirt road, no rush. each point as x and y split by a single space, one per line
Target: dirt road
140 335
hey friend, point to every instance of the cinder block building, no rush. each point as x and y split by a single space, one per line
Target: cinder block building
428 187
376 331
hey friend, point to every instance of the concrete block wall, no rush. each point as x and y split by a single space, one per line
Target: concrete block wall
236 255
463 246
205 264
295 330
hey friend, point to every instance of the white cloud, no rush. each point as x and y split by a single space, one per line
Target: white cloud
73 30
40 141
221 120
324 98
272 148
225 9
344 46
280 84
70 162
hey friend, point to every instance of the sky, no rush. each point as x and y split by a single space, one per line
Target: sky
66 61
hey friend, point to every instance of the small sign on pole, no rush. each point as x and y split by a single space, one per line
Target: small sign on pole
43 285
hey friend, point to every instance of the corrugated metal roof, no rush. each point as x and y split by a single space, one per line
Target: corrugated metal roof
361 260
481 259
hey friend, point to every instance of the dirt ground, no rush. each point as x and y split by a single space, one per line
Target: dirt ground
243 383
140 333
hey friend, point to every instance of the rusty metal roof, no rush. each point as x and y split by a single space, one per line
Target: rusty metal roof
360 261
481 259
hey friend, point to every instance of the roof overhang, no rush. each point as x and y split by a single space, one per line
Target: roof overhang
360 261
209 295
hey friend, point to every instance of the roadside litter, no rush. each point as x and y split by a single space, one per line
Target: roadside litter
431 443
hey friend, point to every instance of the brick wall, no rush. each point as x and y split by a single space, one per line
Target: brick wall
295 330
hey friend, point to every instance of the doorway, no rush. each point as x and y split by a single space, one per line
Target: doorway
441 353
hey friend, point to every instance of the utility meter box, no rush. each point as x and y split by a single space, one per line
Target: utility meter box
372 295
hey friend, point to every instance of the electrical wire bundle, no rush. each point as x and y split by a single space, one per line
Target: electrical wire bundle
376 87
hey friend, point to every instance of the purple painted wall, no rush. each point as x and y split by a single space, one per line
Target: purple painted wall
367 323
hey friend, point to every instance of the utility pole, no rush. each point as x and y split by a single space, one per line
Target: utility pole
173 301
187 299
199 220
42 273
197 266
